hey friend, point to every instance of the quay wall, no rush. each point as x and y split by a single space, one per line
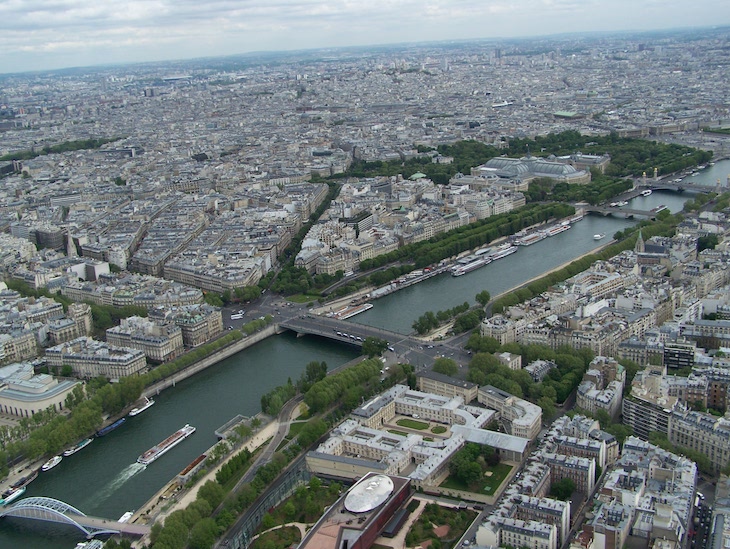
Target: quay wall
216 357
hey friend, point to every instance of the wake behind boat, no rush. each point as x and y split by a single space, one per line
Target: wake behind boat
166 445
80 446
148 403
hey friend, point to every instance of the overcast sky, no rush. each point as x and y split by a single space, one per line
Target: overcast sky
48 34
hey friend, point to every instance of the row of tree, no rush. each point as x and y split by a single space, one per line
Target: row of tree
66 146
470 237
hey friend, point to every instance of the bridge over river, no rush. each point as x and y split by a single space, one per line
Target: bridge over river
53 510
344 331
621 211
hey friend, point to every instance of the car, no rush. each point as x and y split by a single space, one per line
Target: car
430 346
391 349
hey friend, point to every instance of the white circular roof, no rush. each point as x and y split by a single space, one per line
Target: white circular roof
367 494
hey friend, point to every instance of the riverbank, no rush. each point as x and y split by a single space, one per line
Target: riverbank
172 497
442 331
561 266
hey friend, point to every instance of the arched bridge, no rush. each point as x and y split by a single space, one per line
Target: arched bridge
53 510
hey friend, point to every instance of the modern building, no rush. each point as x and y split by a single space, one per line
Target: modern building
356 519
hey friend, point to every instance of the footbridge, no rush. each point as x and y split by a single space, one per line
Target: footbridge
53 510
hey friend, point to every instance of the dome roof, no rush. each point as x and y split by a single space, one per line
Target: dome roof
369 493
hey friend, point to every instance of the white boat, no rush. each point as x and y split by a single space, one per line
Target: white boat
166 445
531 239
349 312
599 236
502 251
148 402
80 446
646 192
469 267
126 516
557 229
11 495
51 463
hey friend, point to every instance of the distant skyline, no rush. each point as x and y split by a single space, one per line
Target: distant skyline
53 34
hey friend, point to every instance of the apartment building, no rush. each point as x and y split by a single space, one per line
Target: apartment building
90 358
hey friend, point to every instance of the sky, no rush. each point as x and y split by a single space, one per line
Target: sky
52 34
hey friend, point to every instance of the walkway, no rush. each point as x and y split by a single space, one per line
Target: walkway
274 431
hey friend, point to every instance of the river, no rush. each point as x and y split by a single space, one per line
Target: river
104 480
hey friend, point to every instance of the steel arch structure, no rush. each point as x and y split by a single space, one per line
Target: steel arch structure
53 510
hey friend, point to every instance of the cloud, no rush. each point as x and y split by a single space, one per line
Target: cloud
33 33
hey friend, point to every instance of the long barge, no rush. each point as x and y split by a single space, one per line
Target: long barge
166 445
109 428
80 446
469 267
349 312
531 239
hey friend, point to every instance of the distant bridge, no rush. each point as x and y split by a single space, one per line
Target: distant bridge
53 510
621 212
684 185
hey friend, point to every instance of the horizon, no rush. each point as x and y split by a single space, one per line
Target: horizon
41 36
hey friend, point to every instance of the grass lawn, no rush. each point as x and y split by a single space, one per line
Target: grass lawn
397 432
438 429
487 486
294 429
281 538
302 298
412 424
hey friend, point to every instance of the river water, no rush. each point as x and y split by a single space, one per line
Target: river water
104 480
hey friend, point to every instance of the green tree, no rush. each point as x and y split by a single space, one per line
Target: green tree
483 298
212 492
446 366
548 408
373 346
562 489
203 534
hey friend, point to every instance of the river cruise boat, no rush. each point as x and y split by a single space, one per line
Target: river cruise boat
469 267
502 251
166 445
530 239
557 229
599 236
646 192
349 312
